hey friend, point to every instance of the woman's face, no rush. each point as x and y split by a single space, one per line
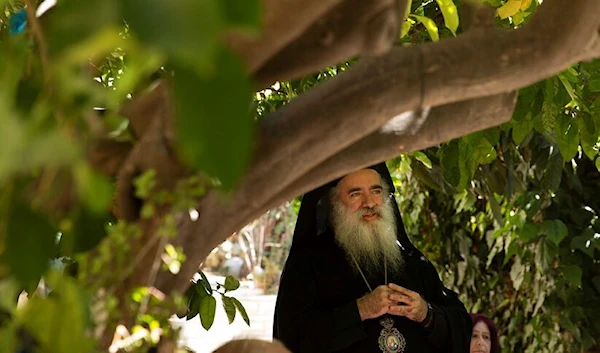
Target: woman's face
481 341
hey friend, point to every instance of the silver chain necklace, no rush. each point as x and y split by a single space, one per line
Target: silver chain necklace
390 339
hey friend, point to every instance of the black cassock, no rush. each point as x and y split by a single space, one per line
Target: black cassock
316 305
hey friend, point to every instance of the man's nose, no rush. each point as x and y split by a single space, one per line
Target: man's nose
368 200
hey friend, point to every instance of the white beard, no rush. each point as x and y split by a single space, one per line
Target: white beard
368 242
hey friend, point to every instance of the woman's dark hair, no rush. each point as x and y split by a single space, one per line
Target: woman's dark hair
493 330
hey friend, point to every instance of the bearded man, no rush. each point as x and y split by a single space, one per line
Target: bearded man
353 281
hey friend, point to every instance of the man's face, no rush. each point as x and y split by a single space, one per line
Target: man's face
360 191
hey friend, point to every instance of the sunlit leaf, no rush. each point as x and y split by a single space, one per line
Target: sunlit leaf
208 307
484 152
422 157
231 283
407 22
510 8
430 25
229 307
450 14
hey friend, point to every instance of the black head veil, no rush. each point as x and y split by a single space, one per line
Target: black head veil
313 216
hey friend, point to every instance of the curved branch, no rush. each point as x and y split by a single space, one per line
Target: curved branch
359 101
282 22
353 27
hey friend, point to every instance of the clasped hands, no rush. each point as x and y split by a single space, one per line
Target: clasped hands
395 300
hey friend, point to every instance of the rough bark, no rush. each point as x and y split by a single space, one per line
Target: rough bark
351 28
282 22
359 101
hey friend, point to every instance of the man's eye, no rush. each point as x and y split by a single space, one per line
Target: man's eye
354 194
377 191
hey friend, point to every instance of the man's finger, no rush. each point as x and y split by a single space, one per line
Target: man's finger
399 310
401 298
401 290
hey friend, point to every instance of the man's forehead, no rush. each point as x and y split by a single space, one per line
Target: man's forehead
360 176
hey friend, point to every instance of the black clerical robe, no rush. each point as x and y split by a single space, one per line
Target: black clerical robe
317 310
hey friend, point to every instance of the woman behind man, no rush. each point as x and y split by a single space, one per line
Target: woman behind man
485 335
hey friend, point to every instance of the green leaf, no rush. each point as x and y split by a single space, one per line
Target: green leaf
583 242
596 283
229 307
422 157
567 136
430 25
589 137
9 291
193 305
242 310
510 8
517 273
572 274
598 163
545 252
186 30
242 13
528 233
231 283
213 119
72 21
450 14
522 128
449 159
94 189
553 174
205 283
66 308
406 22
29 236
484 152
555 230
208 307
88 231
8 335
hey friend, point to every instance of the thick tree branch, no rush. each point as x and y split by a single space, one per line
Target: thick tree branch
353 27
443 123
359 101
282 22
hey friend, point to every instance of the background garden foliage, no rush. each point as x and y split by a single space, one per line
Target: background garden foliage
508 215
